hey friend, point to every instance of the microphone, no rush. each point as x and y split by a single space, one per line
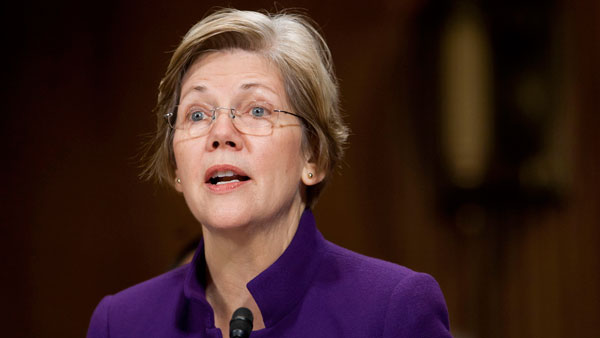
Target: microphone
240 324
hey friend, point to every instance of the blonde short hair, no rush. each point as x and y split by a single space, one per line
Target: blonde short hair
293 44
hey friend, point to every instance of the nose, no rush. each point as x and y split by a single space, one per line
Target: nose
223 133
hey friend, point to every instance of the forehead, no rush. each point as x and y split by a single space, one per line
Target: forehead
230 72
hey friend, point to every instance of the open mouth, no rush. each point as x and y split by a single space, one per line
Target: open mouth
226 176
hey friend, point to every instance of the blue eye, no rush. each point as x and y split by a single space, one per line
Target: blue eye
197 115
257 111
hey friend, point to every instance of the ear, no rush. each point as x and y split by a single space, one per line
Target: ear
310 169
177 182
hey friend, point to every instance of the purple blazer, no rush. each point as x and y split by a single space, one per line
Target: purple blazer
315 289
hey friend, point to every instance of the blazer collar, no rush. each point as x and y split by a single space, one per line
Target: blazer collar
279 288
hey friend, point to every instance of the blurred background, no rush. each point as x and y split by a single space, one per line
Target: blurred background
473 156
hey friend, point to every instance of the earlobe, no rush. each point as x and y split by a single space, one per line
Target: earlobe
177 182
311 175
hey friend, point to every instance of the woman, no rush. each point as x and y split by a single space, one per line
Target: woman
249 131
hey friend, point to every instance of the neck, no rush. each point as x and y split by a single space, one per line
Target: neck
235 256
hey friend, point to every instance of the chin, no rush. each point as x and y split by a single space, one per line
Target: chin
224 219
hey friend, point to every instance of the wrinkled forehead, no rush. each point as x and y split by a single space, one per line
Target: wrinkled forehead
232 72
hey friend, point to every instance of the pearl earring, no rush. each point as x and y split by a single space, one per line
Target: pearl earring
310 175
178 180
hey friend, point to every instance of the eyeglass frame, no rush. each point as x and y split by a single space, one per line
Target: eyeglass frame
214 116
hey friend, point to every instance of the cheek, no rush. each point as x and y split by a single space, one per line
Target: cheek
187 156
285 156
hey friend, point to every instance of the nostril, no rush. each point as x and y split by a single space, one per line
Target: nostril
231 144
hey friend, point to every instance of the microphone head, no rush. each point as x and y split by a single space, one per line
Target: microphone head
240 324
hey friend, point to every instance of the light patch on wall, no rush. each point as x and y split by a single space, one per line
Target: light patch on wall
466 87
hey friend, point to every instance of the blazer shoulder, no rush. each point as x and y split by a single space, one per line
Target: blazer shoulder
138 303
157 285
364 266
417 308
410 303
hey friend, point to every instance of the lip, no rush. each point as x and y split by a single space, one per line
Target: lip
223 188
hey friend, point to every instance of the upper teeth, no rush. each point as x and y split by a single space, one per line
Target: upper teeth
223 173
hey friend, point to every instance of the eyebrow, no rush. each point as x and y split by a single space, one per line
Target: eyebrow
247 86
252 85
199 89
